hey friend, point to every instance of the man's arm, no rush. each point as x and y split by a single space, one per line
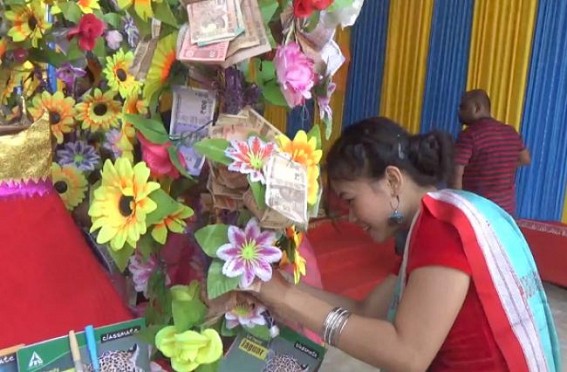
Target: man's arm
457 182
525 158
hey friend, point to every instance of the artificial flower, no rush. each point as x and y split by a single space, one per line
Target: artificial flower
249 253
175 223
162 61
88 6
113 39
189 349
3 48
135 106
304 151
305 8
99 111
89 29
141 270
246 315
28 22
131 31
143 8
157 158
80 154
299 262
295 74
122 203
70 184
118 76
68 73
112 142
249 157
324 102
60 110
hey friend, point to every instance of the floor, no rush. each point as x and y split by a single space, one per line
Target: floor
337 361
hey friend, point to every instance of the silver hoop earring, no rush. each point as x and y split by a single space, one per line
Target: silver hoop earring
397 217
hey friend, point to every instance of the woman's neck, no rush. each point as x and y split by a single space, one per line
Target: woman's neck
414 202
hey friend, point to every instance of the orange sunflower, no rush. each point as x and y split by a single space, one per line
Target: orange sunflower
164 57
60 110
99 111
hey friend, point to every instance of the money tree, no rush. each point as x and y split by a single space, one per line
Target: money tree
161 152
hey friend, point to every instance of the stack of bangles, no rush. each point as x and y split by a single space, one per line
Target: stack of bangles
334 325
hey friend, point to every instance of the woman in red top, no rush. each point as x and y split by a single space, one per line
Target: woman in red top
461 301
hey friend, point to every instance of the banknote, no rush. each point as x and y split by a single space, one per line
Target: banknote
286 188
192 112
143 58
256 22
249 37
208 54
269 218
212 20
242 125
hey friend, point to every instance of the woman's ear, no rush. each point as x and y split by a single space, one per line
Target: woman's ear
394 180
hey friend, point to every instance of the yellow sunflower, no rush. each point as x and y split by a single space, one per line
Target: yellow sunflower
117 75
99 111
143 8
60 110
299 262
121 203
70 184
135 106
304 151
162 61
175 222
28 22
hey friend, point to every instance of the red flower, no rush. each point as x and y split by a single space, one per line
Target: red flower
88 30
304 8
157 158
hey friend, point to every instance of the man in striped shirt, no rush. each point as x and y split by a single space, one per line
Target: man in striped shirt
487 153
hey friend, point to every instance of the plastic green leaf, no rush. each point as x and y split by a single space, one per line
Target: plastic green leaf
100 49
163 12
328 127
148 334
71 11
225 332
313 22
165 206
273 94
315 131
113 19
339 4
260 331
146 246
267 71
268 9
217 283
174 157
213 149
145 28
153 130
259 192
186 307
121 256
47 55
211 367
211 237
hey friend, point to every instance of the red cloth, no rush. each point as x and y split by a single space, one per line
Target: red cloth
490 152
50 281
470 344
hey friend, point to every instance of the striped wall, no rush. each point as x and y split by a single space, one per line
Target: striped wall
412 60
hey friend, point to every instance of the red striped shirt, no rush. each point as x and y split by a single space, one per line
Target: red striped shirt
490 152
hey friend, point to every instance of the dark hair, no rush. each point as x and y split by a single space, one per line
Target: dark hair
366 148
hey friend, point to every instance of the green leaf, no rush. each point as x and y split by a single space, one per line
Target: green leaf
148 335
174 157
268 9
113 19
74 52
186 307
100 49
315 132
328 127
267 71
211 237
159 307
71 11
15 2
313 22
121 256
225 332
47 55
217 283
146 246
212 367
273 94
144 27
153 130
261 332
163 12
259 192
244 216
339 4
213 149
165 206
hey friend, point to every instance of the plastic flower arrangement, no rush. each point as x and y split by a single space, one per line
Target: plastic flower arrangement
158 135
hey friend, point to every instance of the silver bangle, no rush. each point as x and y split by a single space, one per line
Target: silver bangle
334 325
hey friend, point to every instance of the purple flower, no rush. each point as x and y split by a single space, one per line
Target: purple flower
323 101
111 141
141 270
246 315
249 157
69 73
131 31
113 39
249 253
79 154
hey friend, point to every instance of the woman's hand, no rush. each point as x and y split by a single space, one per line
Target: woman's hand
273 292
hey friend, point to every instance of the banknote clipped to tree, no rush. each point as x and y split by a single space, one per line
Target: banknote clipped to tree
161 151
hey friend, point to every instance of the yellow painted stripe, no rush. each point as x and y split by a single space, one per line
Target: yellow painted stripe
405 66
564 218
500 52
